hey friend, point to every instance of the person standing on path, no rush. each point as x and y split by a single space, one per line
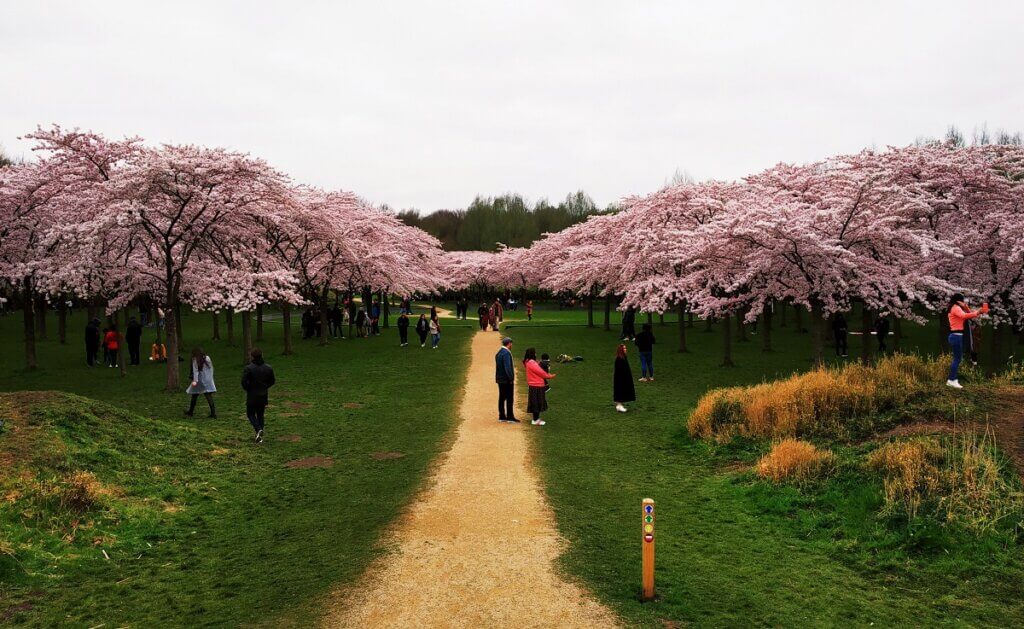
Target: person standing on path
959 314
622 386
133 336
422 329
482 314
403 329
645 347
435 332
537 379
92 341
505 376
257 378
202 382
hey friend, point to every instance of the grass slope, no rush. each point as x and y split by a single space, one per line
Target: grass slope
733 550
202 527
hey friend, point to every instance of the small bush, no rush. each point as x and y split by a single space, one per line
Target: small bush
839 403
961 481
794 460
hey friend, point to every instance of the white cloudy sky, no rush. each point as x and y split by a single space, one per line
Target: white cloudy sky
425 104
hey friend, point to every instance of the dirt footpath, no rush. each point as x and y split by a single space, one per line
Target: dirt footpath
477 548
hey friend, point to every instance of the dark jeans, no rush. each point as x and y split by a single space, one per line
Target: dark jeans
209 400
505 392
956 343
841 344
111 357
255 412
90 353
647 364
403 335
133 352
423 337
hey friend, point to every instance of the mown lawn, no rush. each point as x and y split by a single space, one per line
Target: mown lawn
733 550
225 533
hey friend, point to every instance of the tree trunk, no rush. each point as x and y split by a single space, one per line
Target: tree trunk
798 318
682 326
727 341
689 316
178 327
817 334
865 331
323 318
216 325
172 348
286 321
766 328
707 325
650 319
246 336
229 320
608 312
30 327
385 309
259 323
41 318
590 309
661 318
62 322
741 327
782 314
121 319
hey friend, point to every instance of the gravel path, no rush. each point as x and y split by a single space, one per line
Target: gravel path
477 549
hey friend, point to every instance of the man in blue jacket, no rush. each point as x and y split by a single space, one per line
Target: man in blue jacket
505 376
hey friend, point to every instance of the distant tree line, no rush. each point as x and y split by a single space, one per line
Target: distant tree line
508 219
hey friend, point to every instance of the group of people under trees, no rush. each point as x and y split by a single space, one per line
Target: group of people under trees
491 316
109 341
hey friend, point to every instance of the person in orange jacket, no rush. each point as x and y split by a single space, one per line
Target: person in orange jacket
959 314
110 343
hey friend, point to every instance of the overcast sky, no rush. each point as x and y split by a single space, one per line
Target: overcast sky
426 104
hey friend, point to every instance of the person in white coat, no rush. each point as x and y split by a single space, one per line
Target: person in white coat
202 382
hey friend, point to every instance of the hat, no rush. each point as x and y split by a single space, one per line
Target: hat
506 341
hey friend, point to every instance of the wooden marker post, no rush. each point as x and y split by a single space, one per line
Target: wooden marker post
647 549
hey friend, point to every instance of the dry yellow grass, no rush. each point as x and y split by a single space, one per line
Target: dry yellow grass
911 471
824 401
794 460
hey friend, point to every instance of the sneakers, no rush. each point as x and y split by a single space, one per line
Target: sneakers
954 384
642 380
620 408
538 422
259 436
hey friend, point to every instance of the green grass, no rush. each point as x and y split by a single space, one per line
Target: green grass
732 550
208 528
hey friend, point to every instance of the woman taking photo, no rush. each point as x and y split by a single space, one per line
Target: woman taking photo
202 382
624 391
959 314
537 379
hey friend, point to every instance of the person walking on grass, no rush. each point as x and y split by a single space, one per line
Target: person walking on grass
505 376
202 382
110 345
422 329
839 333
645 347
435 332
537 379
622 384
133 336
257 378
403 329
92 341
959 314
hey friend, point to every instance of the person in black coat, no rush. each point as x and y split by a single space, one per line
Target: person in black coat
133 336
257 378
881 331
623 389
628 325
92 341
422 328
403 329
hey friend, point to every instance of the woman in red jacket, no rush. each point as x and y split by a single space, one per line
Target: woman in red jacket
959 313
110 340
536 378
